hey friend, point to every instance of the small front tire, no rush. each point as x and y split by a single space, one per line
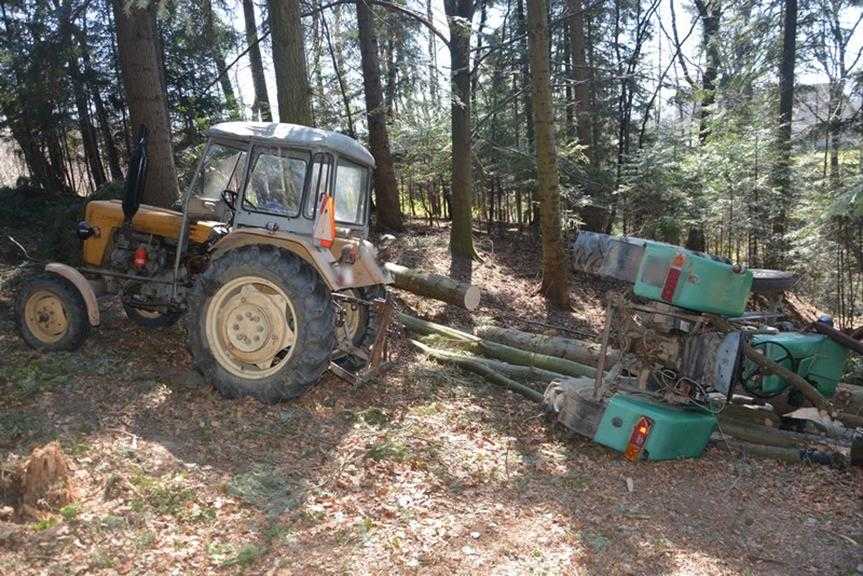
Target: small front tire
51 314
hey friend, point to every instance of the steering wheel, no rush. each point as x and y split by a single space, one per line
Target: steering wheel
753 375
229 197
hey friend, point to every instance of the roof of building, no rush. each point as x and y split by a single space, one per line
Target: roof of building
294 134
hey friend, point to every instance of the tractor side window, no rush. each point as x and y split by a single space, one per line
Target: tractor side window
221 170
319 184
276 184
350 194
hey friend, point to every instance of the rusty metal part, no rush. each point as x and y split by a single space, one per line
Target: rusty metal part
379 357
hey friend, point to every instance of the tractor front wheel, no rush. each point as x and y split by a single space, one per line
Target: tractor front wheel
51 314
261 323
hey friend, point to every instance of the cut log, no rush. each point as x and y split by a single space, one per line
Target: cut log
434 286
499 351
567 348
479 368
515 371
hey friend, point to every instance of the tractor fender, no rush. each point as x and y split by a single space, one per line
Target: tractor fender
336 276
322 260
82 284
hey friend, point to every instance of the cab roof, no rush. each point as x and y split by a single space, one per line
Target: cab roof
281 134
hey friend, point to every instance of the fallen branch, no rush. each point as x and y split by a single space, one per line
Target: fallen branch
479 368
435 286
500 351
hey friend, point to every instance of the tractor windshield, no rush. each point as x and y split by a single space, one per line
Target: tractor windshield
222 169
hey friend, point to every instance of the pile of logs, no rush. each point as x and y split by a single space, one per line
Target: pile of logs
527 363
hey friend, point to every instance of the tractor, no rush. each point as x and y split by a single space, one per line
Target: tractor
267 257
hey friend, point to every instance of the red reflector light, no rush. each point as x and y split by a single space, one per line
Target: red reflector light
139 260
638 438
673 277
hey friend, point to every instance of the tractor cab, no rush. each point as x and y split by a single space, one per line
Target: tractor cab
274 176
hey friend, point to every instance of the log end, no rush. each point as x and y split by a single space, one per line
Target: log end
471 298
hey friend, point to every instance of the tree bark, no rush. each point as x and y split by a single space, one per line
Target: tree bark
555 273
778 247
289 60
386 188
567 348
581 75
261 104
435 286
710 12
459 15
142 79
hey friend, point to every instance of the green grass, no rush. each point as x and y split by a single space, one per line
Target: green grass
163 496
46 523
265 488
70 512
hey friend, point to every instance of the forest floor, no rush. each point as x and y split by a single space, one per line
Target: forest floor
425 470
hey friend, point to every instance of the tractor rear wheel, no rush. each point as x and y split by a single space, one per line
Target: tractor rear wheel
261 323
358 325
51 314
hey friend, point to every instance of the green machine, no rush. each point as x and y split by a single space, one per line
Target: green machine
815 357
676 368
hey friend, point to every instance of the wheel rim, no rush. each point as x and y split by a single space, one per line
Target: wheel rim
352 317
250 325
46 317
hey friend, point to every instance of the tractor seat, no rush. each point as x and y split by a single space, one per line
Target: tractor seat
108 214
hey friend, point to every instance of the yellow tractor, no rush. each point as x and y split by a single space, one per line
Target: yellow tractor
267 259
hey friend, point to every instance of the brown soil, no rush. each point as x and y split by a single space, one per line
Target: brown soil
429 470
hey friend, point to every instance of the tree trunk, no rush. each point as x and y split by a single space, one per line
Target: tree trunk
89 139
261 104
459 15
435 286
140 67
555 273
710 12
778 246
576 350
581 74
289 60
99 105
386 189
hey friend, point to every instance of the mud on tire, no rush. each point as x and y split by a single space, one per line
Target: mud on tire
310 304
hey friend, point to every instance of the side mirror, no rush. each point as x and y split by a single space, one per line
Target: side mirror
229 197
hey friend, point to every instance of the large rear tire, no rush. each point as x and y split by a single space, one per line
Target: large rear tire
261 323
51 314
